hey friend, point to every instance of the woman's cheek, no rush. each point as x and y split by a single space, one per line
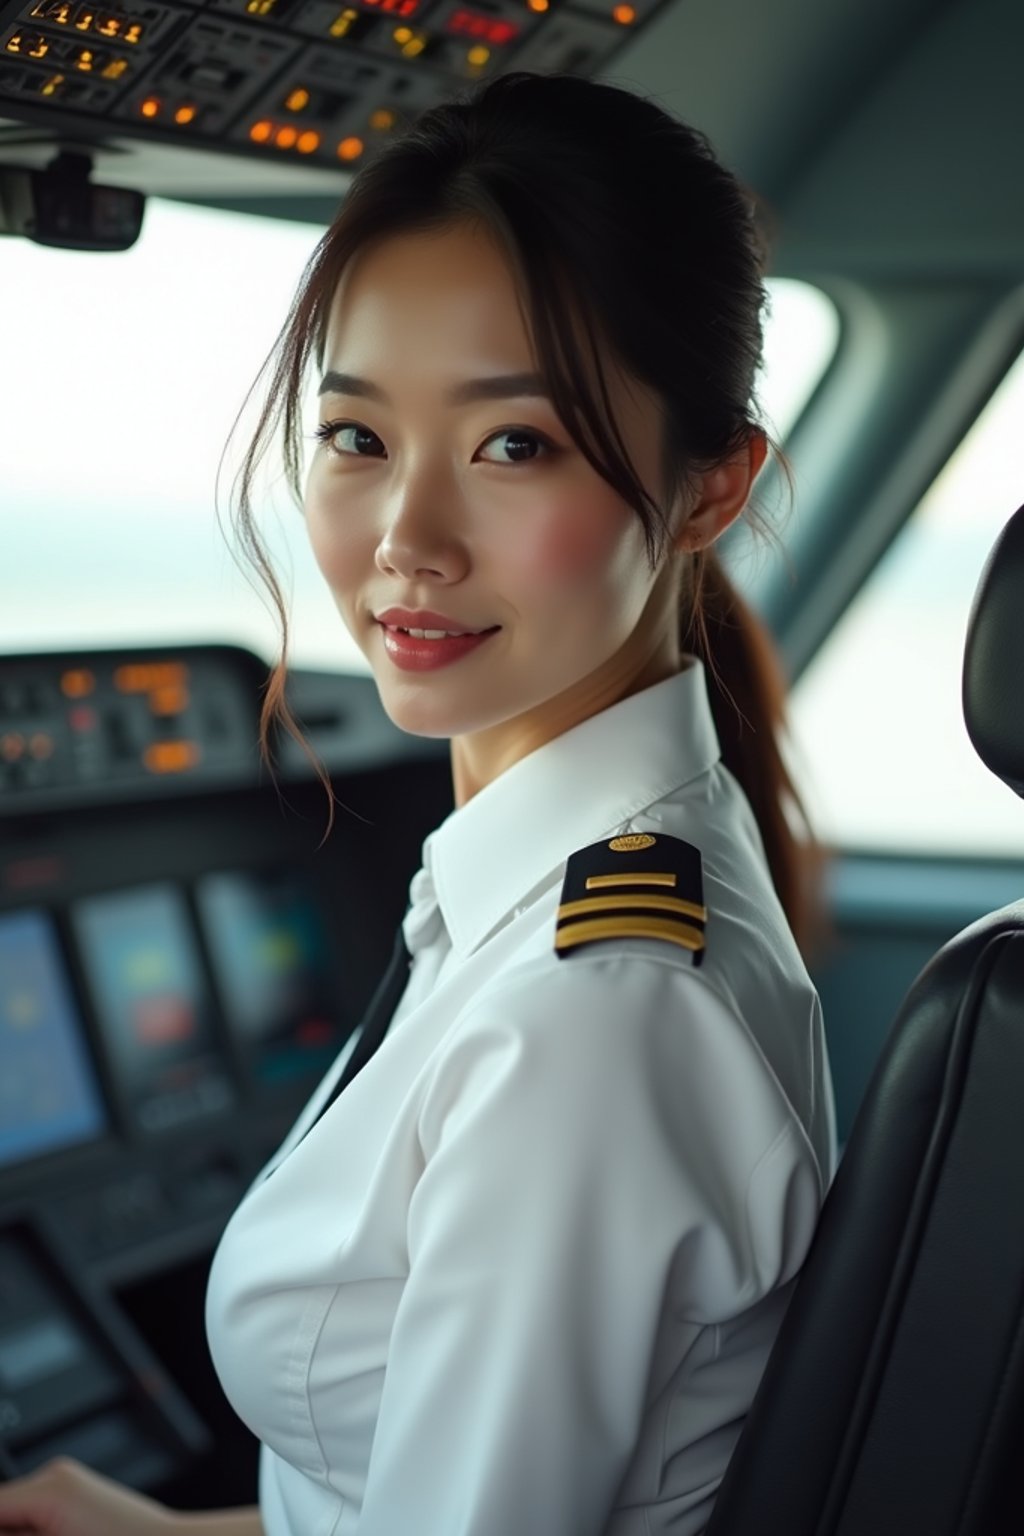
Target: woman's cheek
568 547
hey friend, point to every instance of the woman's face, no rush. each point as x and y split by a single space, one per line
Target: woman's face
445 494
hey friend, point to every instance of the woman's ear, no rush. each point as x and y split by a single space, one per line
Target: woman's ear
722 493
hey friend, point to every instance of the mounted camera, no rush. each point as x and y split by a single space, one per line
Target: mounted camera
60 206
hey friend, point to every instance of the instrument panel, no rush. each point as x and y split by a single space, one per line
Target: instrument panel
321 82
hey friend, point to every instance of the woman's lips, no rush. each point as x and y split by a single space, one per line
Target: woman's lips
413 653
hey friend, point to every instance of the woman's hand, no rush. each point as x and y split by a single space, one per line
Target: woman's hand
66 1499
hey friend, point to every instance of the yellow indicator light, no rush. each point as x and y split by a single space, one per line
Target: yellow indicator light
109 26
84 61
382 119
84 20
14 43
308 142
115 69
144 676
171 756
52 86
40 48
350 149
185 115
172 699
478 56
77 684
134 33
296 100
538 5
260 7
260 132
150 107
414 47
402 35
286 137
342 22
624 15
41 746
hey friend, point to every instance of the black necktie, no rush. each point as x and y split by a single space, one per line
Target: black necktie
378 1016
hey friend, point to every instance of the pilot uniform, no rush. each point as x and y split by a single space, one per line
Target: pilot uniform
521 1277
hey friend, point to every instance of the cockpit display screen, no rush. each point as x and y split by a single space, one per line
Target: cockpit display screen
270 957
49 1096
153 1004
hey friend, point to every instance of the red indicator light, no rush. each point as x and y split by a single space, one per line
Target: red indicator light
484 28
393 7
82 718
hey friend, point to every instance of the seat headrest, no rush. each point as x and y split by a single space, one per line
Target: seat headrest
993 679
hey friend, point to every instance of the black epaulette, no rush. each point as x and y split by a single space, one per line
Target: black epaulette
637 886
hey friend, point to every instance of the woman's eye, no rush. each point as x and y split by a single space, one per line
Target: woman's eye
520 446
348 439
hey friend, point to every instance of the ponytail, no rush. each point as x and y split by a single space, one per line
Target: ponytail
747 691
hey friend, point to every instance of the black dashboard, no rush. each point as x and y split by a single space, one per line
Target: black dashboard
182 954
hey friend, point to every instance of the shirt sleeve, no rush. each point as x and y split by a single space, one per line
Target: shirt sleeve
601 1140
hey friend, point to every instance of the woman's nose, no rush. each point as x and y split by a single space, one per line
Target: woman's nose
419 538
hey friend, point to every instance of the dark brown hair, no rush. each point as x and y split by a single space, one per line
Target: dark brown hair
626 236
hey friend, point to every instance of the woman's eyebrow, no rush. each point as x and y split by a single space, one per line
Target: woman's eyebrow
501 387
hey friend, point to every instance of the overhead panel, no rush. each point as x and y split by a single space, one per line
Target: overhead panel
324 82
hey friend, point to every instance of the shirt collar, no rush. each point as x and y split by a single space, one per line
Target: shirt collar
518 831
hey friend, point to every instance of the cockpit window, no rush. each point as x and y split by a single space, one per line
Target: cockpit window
121 379
883 756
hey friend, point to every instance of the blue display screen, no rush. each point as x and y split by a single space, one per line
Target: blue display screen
49 1095
269 953
153 1005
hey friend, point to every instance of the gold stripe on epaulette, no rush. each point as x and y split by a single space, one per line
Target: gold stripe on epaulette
601 882
646 903
629 928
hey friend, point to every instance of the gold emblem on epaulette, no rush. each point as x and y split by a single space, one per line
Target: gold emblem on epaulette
632 909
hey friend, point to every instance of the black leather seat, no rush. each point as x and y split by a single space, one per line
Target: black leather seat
893 1401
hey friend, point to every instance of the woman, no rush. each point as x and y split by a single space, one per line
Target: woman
523 1274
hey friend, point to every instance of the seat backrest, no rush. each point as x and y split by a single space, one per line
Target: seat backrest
893 1401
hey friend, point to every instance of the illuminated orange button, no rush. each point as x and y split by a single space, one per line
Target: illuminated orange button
350 149
185 115
168 701
286 138
538 5
142 676
12 746
308 142
624 15
150 107
171 756
382 119
76 684
297 100
478 56
260 132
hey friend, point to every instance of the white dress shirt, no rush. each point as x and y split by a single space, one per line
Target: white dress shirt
522 1276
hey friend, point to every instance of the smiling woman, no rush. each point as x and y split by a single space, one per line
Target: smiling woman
519 1263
